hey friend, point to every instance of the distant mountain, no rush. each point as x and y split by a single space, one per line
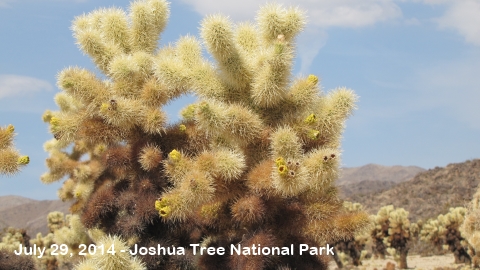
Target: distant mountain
11 201
20 212
373 178
423 193
429 193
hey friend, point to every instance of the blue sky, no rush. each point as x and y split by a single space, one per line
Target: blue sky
414 63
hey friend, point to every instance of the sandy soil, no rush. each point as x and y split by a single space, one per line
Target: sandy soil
413 262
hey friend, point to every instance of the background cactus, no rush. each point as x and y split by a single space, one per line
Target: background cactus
11 239
353 250
446 230
63 231
10 159
253 161
392 233
116 259
470 228
48 261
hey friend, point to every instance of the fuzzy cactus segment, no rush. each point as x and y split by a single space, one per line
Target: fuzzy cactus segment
10 159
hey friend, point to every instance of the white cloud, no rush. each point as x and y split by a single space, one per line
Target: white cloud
16 85
462 16
321 14
412 22
310 41
4 3
349 13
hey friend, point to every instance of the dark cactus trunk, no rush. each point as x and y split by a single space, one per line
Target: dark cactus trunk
337 259
454 240
403 258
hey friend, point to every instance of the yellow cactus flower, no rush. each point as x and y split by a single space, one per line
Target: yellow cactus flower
313 134
104 107
279 161
162 207
54 121
10 129
283 170
165 211
175 155
312 79
24 160
312 118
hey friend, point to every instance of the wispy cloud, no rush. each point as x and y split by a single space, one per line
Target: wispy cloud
4 3
16 85
461 16
321 14
464 17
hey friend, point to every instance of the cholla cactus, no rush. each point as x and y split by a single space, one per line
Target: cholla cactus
116 258
353 249
55 221
470 228
63 231
11 239
380 231
10 159
433 232
48 261
252 163
73 235
445 230
10 261
392 233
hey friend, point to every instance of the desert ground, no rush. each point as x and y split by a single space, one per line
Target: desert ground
414 262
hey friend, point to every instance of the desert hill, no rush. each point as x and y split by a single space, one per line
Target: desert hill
11 201
373 178
20 212
429 193
424 193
